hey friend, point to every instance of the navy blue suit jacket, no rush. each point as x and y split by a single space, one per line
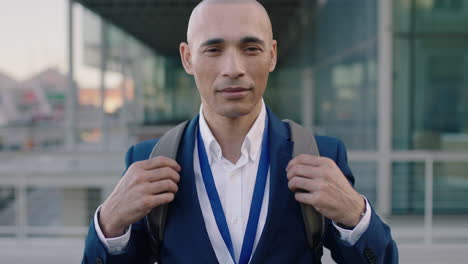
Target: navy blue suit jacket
283 239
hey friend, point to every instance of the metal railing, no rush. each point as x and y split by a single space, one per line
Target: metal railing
24 170
102 170
428 158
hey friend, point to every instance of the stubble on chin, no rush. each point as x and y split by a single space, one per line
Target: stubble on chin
234 111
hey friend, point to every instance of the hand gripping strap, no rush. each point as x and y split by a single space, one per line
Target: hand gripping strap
167 146
304 143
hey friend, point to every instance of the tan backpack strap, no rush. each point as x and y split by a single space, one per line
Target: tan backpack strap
167 146
314 222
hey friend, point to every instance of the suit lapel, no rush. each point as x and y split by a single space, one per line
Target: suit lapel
280 148
187 200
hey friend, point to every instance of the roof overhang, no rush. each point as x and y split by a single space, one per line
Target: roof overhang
161 24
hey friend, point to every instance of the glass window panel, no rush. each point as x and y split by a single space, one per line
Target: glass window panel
440 16
7 206
365 174
105 70
401 15
170 94
431 93
346 101
402 95
408 188
284 93
346 79
341 76
451 187
430 16
61 206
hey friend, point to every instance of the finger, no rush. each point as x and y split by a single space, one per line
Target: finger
159 162
160 199
307 160
306 198
306 171
301 184
161 174
161 187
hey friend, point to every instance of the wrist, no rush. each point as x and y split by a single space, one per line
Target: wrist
109 228
356 216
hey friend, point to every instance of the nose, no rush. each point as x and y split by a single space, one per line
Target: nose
232 65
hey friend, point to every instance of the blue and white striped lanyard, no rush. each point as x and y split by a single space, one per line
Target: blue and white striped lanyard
256 204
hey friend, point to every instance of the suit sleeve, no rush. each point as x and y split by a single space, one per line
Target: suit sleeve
374 246
138 248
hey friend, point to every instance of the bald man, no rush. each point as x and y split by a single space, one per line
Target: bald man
234 189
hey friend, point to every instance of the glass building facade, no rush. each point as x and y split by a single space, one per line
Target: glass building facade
430 101
329 78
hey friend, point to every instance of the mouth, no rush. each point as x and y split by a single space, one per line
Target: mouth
234 92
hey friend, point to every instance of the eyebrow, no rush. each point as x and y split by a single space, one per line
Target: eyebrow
251 39
212 42
247 39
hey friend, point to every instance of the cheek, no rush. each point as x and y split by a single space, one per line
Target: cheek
260 73
204 74
259 65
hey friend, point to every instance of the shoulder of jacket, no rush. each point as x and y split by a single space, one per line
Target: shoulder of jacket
146 144
330 147
326 140
142 149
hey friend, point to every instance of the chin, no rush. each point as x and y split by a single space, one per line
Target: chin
233 111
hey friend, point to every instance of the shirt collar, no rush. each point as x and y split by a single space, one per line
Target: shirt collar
252 142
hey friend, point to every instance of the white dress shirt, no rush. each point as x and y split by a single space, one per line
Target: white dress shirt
235 184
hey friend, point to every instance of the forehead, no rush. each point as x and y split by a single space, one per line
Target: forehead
229 21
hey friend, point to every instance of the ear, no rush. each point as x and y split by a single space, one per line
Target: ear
273 55
186 57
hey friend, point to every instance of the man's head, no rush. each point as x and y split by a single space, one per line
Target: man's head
230 52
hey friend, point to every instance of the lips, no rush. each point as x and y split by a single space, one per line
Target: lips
234 92
234 89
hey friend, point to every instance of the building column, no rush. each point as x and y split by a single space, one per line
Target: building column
385 85
308 98
70 99
104 126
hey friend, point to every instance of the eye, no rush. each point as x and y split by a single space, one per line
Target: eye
252 50
212 50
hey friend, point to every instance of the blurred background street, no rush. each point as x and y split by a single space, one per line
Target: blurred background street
82 80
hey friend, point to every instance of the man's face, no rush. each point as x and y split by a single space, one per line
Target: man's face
230 53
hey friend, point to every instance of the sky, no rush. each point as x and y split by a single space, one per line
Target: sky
33 37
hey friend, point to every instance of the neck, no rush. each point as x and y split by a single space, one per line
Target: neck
230 132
